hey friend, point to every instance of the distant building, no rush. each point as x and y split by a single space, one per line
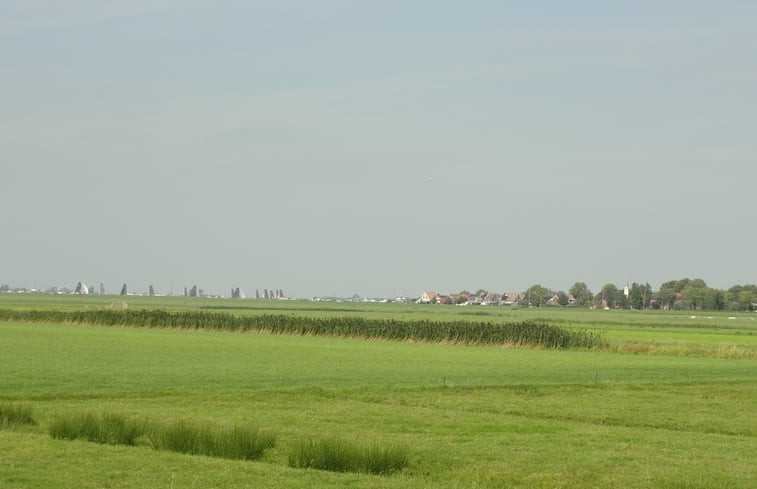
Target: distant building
512 298
427 297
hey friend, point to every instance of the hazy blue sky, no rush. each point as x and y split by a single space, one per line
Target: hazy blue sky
378 148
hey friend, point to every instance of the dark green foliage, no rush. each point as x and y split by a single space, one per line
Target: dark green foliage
106 428
338 455
234 442
525 333
13 413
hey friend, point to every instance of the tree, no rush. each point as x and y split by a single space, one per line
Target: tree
741 297
607 297
481 293
640 295
666 296
536 295
582 294
747 299
697 296
621 301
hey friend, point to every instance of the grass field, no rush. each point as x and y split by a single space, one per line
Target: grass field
468 416
724 334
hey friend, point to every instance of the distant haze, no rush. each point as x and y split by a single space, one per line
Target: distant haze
377 148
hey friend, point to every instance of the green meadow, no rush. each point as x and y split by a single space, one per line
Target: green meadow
670 403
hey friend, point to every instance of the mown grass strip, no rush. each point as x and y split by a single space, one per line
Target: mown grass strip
526 333
15 413
337 455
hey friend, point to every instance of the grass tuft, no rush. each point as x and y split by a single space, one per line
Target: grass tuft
338 455
106 428
224 441
14 413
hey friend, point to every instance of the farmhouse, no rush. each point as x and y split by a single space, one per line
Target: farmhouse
512 298
555 300
427 297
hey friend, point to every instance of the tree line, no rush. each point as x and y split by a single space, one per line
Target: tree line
683 294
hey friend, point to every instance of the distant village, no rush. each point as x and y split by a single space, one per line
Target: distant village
82 289
482 298
682 294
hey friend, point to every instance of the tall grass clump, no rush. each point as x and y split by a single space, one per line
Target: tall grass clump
106 428
339 455
14 413
225 441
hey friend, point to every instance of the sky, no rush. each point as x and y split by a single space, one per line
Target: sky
377 148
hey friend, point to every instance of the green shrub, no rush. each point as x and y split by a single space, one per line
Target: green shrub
339 455
225 441
14 413
107 428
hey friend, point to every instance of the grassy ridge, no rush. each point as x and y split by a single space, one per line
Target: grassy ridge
520 333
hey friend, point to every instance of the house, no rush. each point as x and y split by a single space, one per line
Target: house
459 298
555 300
512 298
491 299
427 297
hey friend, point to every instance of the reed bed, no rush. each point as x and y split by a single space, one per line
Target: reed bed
338 455
526 333
15 413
